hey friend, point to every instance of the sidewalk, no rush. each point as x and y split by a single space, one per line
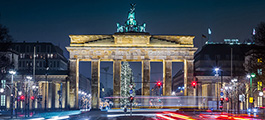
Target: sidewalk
43 115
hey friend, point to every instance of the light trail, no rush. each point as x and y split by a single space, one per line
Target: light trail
165 117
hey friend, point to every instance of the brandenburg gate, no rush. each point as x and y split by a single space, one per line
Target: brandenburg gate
129 43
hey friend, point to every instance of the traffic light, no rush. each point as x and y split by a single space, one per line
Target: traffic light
32 97
222 102
194 83
131 99
22 97
159 84
227 99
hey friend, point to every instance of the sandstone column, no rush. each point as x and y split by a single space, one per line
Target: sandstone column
188 77
116 81
146 77
74 82
167 77
95 83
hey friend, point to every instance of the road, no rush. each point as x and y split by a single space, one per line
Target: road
143 114
165 115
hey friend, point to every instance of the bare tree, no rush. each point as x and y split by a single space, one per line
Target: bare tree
255 58
259 36
5 43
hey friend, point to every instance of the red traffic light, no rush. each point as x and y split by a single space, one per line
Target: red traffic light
226 99
159 84
32 97
222 99
22 97
131 99
194 83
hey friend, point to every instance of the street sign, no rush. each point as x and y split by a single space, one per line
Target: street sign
131 86
131 91
240 98
250 99
222 93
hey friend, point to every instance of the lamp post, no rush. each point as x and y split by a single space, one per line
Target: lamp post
29 78
217 74
181 89
234 81
12 72
251 76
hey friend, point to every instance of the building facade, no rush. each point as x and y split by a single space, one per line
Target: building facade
46 86
9 60
228 58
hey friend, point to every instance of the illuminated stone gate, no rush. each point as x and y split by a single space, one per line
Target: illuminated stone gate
129 45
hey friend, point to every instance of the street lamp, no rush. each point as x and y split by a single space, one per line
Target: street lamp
19 93
248 76
1 90
251 76
217 74
12 72
226 88
234 80
181 89
173 93
216 71
29 77
260 94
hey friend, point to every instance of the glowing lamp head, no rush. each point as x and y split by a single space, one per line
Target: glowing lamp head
1 90
253 75
260 93
12 72
249 110
216 69
248 76
255 110
29 77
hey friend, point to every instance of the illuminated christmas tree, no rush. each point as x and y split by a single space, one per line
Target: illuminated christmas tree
126 82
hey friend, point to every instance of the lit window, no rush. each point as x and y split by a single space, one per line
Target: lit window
259 60
260 71
3 82
3 100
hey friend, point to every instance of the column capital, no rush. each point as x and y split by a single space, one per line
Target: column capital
188 60
117 60
73 59
95 59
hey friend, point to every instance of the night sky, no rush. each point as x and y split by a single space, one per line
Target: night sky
52 21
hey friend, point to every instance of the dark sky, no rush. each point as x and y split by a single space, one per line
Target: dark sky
54 20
